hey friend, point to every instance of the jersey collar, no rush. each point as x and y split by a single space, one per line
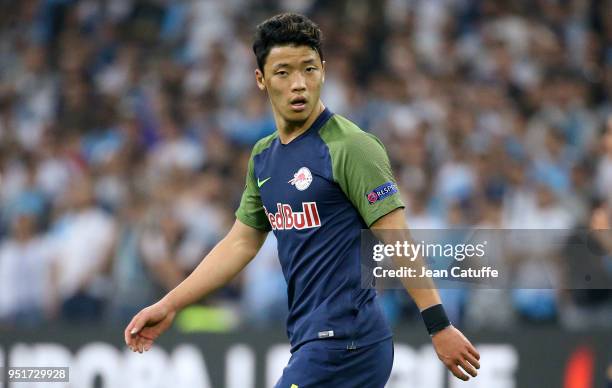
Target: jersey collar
325 115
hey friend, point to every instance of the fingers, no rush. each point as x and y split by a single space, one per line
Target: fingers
468 368
468 363
472 360
136 324
140 344
148 344
147 333
457 353
133 337
457 372
144 345
453 366
472 350
135 346
127 336
131 329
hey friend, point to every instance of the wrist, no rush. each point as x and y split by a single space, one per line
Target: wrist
435 319
169 303
440 331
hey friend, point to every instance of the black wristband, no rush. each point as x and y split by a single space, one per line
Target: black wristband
435 319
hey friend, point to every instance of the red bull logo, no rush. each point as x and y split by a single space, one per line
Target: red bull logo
301 179
285 218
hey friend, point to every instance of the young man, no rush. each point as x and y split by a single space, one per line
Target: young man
316 183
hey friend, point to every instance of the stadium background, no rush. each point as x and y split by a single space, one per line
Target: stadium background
125 130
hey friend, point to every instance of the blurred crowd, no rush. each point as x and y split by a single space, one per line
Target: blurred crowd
126 127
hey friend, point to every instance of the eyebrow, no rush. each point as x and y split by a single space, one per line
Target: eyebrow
283 64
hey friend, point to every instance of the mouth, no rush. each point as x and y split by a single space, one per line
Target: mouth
298 103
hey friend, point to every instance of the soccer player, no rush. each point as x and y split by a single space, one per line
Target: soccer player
316 182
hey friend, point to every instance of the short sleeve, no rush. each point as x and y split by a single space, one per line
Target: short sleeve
363 171
251 211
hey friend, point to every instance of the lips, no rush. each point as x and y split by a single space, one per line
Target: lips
298 103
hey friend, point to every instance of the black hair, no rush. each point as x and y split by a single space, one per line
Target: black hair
285 29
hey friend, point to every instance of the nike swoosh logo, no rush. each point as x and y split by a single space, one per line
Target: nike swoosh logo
261 183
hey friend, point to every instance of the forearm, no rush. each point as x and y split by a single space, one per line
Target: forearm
424 297
393 228
422 289
221 265
167 273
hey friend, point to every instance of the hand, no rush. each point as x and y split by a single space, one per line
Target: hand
147 325
455 350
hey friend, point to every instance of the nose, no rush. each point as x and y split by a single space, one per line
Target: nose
298 83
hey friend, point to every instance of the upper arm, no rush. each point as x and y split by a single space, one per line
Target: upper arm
245 238
251 211
391 227
362 169
393 220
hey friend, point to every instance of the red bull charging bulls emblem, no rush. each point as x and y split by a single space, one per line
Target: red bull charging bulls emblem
301 179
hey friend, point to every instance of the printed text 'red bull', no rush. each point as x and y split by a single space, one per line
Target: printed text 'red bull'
285 218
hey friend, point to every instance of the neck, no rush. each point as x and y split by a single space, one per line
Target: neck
289 130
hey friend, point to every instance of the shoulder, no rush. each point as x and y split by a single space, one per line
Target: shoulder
263 143
342 135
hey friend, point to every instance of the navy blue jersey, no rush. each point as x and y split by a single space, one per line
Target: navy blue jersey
316 193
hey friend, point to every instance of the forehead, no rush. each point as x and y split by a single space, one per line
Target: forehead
291 55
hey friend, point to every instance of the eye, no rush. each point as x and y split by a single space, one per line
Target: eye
310 69
282 73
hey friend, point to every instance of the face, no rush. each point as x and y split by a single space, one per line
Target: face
292 76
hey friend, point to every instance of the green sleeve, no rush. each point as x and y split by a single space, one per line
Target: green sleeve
360 166
251 211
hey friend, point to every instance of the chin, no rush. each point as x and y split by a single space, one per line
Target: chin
298 116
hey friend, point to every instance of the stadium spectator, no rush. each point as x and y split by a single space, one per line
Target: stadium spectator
28 293
82 237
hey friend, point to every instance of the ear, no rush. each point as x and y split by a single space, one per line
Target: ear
259 78
322 71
